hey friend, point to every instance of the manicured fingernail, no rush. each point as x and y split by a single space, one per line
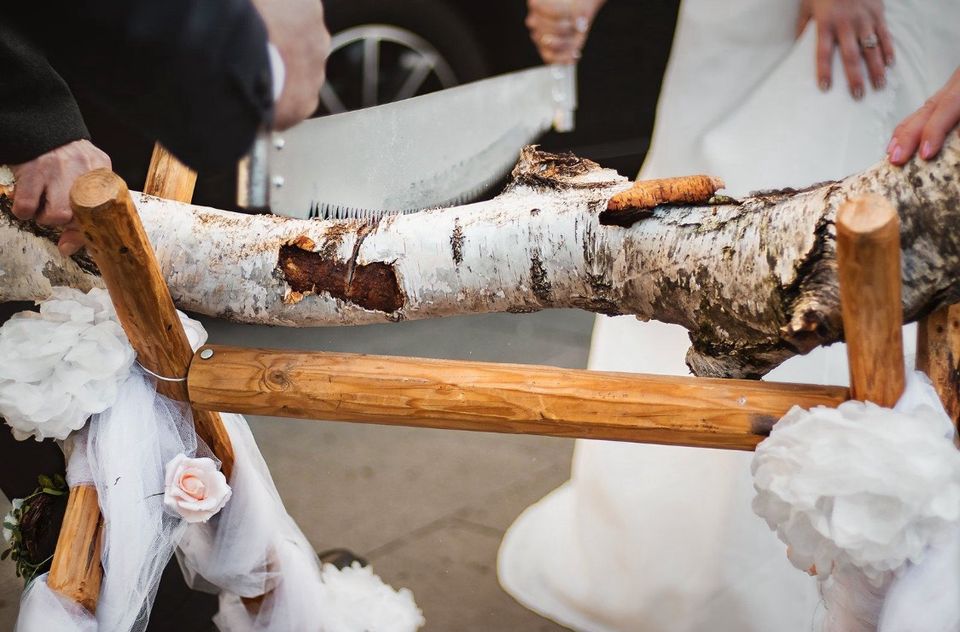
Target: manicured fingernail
890 61
891 145
925 151
824 85
858 93
896 155
881 83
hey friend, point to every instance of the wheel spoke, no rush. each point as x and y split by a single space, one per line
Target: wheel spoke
331 101
415 79
371 71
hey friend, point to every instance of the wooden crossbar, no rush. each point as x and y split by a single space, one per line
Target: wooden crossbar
489 397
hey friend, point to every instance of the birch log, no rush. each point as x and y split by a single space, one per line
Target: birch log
754 282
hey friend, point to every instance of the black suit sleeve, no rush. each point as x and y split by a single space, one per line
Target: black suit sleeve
194 74
37 110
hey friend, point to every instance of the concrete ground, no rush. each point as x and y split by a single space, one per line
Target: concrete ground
426 507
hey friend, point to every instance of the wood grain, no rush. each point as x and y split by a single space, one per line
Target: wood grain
169 178
75 570
938 355
115 238
868 258
488 397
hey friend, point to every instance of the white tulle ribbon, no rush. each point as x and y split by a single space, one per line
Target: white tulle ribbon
254 548
862 494
926 596
42 609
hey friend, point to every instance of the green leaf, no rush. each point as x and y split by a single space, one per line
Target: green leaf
45 481
60 481
5 554
53 492
9 525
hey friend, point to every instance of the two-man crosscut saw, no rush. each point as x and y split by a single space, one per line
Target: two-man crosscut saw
434 150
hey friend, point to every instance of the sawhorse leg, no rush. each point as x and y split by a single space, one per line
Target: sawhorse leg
119 245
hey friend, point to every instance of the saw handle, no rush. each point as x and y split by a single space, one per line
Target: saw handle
564 97
253 175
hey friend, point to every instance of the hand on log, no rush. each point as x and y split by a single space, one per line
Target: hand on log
754 282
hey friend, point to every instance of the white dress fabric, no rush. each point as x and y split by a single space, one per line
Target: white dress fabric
656 538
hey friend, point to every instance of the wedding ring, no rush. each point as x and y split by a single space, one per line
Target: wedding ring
870 41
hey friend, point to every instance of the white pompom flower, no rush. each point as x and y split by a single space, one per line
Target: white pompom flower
62 365
194 489
354 598
861 485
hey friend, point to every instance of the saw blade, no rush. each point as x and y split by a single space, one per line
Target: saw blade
439 149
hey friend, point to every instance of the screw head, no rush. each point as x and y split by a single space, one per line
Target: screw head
206 354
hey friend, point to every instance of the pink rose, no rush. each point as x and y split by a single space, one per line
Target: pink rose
195 489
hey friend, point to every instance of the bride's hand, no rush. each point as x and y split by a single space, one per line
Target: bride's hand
559 28
858 28
928 127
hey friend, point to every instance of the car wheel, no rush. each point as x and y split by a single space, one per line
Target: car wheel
388 50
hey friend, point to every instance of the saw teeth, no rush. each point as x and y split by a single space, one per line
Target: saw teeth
338 212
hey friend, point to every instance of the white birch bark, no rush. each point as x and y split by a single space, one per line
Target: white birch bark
754 282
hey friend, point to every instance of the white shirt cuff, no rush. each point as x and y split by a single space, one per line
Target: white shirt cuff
277 69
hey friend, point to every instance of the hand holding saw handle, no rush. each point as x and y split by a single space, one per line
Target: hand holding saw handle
299 46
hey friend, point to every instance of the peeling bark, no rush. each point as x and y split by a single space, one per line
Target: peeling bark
753 281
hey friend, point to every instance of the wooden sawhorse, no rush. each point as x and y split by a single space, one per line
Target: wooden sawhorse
731 414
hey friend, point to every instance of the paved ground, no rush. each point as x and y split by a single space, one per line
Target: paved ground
427 507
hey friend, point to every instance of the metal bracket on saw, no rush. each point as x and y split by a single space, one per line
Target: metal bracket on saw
565 96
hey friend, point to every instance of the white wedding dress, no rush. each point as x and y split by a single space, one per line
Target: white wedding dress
655 538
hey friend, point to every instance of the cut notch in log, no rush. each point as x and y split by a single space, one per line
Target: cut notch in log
868 258
489 397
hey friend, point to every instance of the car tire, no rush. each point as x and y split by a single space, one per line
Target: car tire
434 23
